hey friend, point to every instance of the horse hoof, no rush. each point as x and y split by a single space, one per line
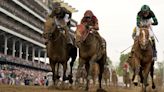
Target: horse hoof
101 90
71 81
70 76
135 83
153 87
58 77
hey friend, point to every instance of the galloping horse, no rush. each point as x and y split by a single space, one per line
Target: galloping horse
126 78
141 60
90 51
114 78
57 48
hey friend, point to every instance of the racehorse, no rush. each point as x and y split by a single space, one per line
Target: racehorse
114 78
141 60
57 48
90 51
126 78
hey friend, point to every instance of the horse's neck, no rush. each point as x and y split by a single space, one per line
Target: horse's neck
90 40
58 43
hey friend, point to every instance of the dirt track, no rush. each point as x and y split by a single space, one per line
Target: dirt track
6 88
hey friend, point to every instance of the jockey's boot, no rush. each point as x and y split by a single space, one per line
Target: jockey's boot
154 50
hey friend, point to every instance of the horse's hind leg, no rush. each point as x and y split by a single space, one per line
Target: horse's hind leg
152 73
57 76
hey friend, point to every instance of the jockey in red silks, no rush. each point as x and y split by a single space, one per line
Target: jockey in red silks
126 67
90 21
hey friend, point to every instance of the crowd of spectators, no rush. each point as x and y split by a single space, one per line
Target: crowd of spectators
14 75
18 75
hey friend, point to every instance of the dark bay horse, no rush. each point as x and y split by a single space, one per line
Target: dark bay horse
90 51
57 48
141 60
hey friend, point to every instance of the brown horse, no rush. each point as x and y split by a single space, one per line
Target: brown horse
126 78
114 78
90 51
141 60
57 48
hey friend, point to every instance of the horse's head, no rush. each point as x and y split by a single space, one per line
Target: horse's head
143 38
80 30
51 30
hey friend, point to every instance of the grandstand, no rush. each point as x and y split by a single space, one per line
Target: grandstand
21 31
21 27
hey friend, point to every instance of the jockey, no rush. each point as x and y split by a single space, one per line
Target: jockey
91 23
61 13
126 67
145 14
90 20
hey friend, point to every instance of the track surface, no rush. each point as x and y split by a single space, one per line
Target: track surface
7 88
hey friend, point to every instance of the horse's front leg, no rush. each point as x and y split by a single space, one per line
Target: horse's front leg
87 67
152 74
64 71
145 75
53 64
57 75
136 71
71 66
